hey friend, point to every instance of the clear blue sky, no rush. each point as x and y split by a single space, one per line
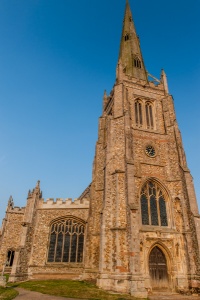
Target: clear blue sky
56 59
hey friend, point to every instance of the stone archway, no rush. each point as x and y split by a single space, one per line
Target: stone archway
158 270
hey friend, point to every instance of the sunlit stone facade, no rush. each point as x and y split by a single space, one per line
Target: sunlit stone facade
136 227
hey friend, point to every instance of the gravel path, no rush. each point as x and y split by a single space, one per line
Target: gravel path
166 296
28 295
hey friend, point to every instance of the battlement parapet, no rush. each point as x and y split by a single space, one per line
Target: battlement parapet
159 86
16 209
63 203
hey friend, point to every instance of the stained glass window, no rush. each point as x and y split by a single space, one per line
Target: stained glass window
66 241
153 205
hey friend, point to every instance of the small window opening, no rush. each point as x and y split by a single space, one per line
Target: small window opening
137 63
126 38
10 258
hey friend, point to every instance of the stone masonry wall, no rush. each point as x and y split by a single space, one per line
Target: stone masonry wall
46 213
12 232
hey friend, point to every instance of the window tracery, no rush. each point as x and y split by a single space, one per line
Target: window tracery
66 241
153 205
144 114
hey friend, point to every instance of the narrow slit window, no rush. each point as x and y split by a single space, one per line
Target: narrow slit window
126 38
10 258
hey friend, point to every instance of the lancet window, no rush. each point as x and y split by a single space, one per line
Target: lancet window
66 241
149 115
137 63
138 113
153 205
144 114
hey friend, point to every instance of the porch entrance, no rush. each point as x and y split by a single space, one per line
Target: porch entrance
158 269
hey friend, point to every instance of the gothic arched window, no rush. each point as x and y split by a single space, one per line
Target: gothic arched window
66 241
149 115
138 113
153 205
137 63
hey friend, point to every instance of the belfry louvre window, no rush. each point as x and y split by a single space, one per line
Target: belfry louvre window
149 115
153 205
138 113
66 241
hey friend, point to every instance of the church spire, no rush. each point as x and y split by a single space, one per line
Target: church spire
130 57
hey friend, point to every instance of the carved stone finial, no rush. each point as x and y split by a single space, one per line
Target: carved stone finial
164 81
10 201
38 184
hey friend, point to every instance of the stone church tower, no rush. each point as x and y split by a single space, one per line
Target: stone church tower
143 226
136 228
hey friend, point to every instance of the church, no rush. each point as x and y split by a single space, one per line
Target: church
136 227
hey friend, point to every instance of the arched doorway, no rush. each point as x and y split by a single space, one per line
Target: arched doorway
158 269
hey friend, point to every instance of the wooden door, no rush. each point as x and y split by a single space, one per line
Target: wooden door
158 269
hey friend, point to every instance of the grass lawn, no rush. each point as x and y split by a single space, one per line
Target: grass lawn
7 293
71 289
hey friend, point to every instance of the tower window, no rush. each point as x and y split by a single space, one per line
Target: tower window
66 241
137 63
10 257
149 115
126 38
153 205
138 113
